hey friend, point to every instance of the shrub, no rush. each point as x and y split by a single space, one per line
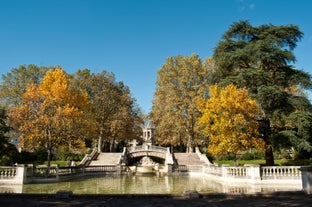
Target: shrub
252 155
5 160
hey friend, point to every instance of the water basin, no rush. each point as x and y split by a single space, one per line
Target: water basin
143 184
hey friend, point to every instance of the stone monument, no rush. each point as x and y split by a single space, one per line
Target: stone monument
148 133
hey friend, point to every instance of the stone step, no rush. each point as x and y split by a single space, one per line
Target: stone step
106 159
188 159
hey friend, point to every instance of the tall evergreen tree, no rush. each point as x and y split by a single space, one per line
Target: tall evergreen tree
259 58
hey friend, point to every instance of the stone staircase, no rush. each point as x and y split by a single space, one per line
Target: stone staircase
188 159
106 159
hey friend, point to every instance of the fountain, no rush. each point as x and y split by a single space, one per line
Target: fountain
195 172
146 165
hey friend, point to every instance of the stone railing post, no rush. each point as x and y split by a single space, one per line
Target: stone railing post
253 172
306 177
20 177
224 169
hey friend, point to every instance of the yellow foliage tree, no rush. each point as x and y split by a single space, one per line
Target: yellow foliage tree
52 114
229 120
181 80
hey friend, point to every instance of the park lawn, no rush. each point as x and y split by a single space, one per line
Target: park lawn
60 163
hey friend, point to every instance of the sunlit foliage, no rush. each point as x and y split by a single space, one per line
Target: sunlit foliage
229 120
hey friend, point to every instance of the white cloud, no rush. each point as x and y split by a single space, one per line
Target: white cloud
244 5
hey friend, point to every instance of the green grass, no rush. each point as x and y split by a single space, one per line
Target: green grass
283 162
57 162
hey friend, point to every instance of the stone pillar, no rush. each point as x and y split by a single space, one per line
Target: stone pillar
253 172
20 177
224 168
306 177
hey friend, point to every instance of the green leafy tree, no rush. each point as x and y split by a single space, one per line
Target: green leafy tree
259 58
114 111
181 80
7 150
298 133
15 83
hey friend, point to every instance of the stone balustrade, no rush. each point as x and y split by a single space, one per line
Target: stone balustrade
190 168
239 172
7 172
252 173
255 173
42 174
12 175
147 148
249 173
281 172
213 170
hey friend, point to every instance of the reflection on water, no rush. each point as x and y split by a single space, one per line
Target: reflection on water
127 184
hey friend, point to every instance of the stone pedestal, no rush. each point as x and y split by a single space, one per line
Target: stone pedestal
306 176
253 172
20 177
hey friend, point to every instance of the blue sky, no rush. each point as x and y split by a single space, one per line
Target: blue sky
133 38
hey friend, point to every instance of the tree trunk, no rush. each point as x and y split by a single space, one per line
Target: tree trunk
181 144
269 158
49 147
49 157
189 148
100 143
112 146
235 160
265 132
49 161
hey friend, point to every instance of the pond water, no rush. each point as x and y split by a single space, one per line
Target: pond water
143 184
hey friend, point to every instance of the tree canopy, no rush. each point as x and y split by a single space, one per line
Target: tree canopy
181 80
15 82
51 114
48 107
51 109
229 120
259 58
113 109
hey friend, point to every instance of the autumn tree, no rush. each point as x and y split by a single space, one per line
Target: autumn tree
229 120
114 110
259 58
52 114
180 81
15 83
